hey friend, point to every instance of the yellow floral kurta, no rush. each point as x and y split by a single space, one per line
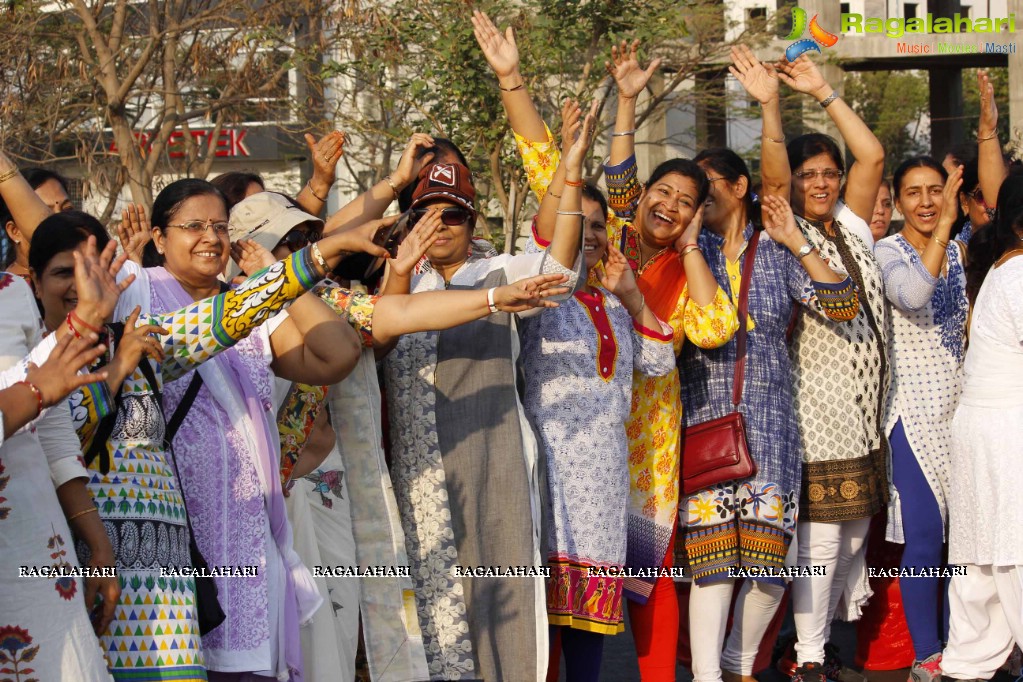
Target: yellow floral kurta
654 427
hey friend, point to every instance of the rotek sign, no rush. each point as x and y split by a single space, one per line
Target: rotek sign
230 142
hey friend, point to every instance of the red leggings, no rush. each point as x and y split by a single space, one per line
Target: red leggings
655 627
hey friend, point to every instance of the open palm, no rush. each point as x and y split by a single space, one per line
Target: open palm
802 75
760 80
500 49
628 75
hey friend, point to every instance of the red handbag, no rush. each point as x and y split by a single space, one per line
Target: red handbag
717 450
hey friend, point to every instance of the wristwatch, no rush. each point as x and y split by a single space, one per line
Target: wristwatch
804 251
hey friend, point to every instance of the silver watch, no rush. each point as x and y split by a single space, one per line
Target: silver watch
804 251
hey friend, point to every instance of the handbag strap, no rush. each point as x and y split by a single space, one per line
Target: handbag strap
175 423
740 341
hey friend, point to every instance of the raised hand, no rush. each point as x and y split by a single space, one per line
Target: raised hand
413 159
628 75
988 124
573 158
803 76
950 202
571 112
251 257
500 49
692 232
134 232
58 376
528 293
136 343
96 283
414 246
618 278
759 79
780 223
325 154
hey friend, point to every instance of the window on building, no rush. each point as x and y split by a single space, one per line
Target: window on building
756 19
784 17
909 10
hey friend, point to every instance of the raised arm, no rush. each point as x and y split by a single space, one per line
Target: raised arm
864 177
371 204
325 154
565 244
631 79
27 209
990 165
503 56
761 82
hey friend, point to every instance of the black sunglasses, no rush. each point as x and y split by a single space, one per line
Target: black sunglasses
453 215
297 239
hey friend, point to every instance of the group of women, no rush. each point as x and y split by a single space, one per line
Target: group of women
213 420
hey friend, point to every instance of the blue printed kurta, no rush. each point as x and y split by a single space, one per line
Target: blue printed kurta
751 522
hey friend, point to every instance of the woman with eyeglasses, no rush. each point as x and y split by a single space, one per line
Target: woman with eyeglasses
926 285
840 371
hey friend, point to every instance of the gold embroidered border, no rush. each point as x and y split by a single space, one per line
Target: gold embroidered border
842 490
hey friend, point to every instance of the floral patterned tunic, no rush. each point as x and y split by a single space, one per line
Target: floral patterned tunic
750 522
654 426
579 361
45 632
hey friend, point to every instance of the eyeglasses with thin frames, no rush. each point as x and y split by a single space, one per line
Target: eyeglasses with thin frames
220 228
828 173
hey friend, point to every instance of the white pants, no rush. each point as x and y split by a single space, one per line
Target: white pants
708 616
814 599
986 616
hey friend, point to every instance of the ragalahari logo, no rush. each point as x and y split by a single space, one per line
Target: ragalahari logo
818 36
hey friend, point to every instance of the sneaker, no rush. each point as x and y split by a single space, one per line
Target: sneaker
928 670
835 670
809 672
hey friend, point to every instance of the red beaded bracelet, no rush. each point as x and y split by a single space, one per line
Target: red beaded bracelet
39 395
71 327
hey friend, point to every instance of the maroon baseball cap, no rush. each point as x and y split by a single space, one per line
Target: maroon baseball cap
448 181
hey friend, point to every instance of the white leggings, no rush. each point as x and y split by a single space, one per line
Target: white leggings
814 599
708 616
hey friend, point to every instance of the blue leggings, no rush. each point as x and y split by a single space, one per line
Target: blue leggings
582 651
924 600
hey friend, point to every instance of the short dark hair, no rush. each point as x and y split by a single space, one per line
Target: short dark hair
731 167
178 192
591 192
34 177
910 164
234 185
62 232
810 145
687 168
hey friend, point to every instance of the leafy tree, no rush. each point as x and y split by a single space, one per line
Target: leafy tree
894 104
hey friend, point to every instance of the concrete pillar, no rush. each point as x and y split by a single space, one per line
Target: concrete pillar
946 107
1015 109
711 122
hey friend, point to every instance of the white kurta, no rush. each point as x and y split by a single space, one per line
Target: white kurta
985 515
43 621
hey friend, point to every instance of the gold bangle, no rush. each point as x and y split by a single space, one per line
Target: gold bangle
8 175
775 139
979 139
390 183
82 513
942 243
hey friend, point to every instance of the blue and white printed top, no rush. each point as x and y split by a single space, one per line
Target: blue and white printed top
929 341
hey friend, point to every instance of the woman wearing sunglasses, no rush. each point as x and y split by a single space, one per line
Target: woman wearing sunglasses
464 459
840 370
